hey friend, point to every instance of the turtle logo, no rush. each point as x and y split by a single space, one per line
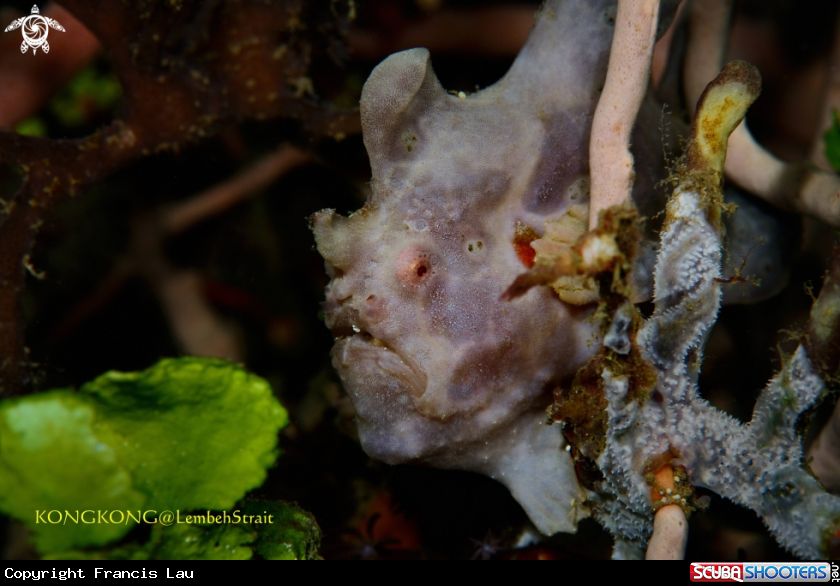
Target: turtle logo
35 30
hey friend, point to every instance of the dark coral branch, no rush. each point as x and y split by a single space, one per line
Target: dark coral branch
186 71
53 171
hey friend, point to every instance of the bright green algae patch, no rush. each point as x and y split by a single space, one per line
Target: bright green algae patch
51 459
195 433
186 434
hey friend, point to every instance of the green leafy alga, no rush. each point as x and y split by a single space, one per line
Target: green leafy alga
186 434
194 542
52 462
292 533
177 542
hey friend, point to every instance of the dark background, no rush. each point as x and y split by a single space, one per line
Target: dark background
263 276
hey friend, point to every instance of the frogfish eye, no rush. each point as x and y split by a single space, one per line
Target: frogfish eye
415 266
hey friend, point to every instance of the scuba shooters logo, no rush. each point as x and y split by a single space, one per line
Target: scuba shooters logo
35 29
764 572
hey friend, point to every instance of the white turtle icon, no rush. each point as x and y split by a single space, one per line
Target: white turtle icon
35 30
